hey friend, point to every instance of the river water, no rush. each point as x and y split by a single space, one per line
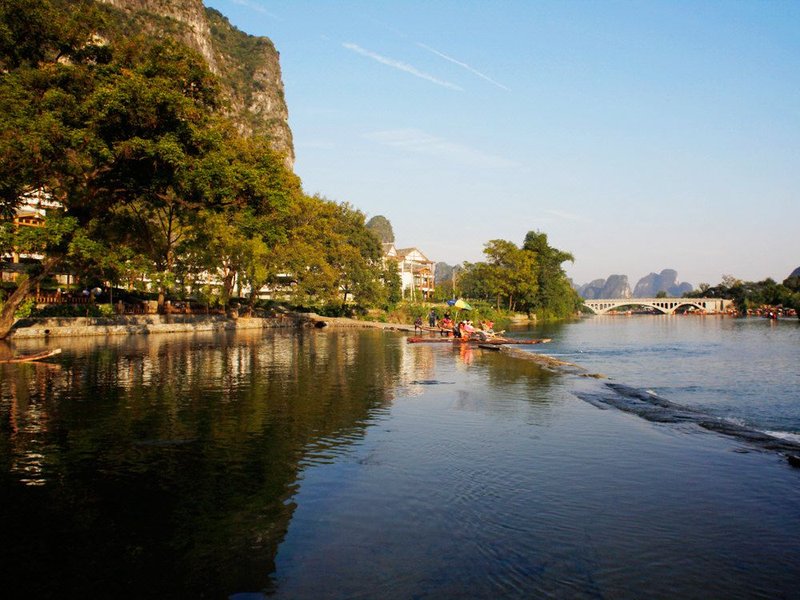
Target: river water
741 370
349 464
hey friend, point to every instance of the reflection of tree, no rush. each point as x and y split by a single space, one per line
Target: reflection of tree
169 462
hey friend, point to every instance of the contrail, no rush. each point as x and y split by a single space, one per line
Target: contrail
256 7
465 65
401 66
420 142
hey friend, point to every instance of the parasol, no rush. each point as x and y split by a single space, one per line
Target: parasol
460 304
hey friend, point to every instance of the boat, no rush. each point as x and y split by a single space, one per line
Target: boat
434 329
496 341
32 357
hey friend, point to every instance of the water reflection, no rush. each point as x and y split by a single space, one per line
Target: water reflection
350 464
169 462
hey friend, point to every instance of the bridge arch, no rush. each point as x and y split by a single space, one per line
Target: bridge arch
665 306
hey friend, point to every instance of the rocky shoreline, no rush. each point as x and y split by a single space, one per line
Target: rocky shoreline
154 324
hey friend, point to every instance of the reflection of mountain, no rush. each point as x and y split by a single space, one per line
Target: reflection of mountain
169 462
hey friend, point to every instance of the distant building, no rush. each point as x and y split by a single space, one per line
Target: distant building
31 212
416 270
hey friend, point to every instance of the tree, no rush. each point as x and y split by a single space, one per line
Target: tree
353 252
529 278
480 281
121 142
514 273
331 255
392 284
555 297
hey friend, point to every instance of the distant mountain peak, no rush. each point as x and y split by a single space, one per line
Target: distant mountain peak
616 286
667 281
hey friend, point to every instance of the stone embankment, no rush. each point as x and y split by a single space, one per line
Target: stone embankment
315 320
150 324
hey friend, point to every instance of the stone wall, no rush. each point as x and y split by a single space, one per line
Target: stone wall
138 324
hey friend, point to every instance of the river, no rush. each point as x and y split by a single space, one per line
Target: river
741 370
349 464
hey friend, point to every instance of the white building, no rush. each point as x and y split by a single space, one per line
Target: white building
416 271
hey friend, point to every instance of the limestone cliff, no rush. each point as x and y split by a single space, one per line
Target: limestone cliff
666 281
248 66
616 286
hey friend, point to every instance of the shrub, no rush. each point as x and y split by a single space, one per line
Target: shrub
26 309
73 310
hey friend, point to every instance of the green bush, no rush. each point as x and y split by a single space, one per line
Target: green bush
73 310
26 309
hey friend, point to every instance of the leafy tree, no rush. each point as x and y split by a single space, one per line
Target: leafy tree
392 284
750 294
480 281
513 273
154 180
529 278
128 142
353 253
555 296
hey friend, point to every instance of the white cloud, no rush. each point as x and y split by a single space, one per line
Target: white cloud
401 66
464 65
419 142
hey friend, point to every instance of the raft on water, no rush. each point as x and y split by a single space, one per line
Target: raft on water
32 357
497 341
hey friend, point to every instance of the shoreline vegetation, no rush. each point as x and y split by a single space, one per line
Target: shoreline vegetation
151 188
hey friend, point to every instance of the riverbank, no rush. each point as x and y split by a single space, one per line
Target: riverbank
155 324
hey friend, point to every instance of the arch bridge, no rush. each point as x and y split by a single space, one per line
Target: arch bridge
667 306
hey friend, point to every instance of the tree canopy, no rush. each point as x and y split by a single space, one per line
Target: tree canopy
749 295
130 136
528 278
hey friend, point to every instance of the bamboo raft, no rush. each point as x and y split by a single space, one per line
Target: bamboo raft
495 341
31 357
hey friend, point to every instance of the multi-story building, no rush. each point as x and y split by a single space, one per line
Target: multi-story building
416 271
31 212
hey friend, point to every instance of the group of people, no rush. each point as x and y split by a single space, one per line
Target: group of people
464 329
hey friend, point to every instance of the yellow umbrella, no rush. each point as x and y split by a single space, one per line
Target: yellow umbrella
461 304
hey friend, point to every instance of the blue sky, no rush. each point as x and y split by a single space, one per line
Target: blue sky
638 135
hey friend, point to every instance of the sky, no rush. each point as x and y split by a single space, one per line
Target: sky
638 135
